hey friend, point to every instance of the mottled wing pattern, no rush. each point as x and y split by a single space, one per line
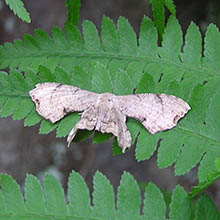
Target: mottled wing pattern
157 112
53 100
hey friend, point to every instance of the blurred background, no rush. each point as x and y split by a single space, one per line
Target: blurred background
23 150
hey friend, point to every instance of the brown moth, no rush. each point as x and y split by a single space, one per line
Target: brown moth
107 112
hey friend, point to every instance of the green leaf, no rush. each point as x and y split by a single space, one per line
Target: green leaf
10 106
18 82
191 154
110 41
148 39
79 77
73 9
32 119
146 145
66 125
34 196
129 199
103 197
52 191
180 207
74 38
206 209
127 38
3 209
62 76
59 39
212 48
170 6
159 15
117 150
101 79
46 127
3 99
12 195
154 205
24 108
172 40
17 6
193 46
91 37
99 137
78 196
45 75
169 149
122 84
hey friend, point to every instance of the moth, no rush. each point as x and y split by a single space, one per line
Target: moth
107 112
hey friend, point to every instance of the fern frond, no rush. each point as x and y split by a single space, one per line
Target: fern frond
73 8
17 6
49 202
118 63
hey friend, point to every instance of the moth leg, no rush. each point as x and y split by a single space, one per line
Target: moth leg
88 121
124 136
119 129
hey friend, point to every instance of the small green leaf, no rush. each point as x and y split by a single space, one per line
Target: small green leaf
10 106
12 195
73 9
17 6
45 75
101 79
191 154
103 197
66 124
34 197
99 137
81 135
148 38
59 39
79 77
3 209
159 15
206 209
31 79
122 83
193 46
180 207
212 48
32 119
146 84
146 144
43 38
154 204
18 81
74 37
110 41
91 37
127 38
129 199
46 127
172 40
169 148
170 6
134 128
52 191
62 76
135 71
117 150
3 99
24 108
78 195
